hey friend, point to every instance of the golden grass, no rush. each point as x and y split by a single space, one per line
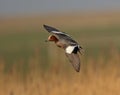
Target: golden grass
97 77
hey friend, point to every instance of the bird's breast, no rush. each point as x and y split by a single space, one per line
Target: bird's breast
61 45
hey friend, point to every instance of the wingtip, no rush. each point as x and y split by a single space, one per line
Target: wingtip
78 70
44 25
49 28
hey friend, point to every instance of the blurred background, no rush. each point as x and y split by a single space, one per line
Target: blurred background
29 66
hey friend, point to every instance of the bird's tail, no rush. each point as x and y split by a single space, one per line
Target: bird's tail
81 50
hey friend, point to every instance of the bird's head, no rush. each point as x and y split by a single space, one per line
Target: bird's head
52 38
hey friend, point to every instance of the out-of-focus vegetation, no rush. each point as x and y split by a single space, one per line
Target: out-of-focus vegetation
30 66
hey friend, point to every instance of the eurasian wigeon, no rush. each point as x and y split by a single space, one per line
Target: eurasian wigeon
64 41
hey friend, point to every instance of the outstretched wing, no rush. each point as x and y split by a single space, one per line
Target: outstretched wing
60 35
53 30
74 60
72 46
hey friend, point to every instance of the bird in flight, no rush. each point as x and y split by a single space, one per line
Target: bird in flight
66 42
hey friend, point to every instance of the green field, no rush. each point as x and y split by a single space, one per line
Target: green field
24 45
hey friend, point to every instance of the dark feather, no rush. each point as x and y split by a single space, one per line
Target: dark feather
49 28
76 49
67 38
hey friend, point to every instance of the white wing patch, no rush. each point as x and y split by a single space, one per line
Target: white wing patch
69 49
58 32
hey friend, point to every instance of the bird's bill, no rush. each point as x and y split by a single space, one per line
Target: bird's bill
49 39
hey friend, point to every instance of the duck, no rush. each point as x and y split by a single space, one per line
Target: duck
63 40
